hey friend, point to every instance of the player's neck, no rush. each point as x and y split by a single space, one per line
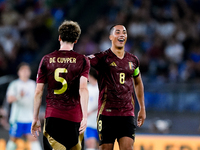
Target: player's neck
118 52
24 79
66 46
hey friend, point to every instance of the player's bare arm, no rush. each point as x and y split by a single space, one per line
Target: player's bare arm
36 126
11 99
139 90
84 95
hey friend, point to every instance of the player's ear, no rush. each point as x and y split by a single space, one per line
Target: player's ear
59 39
111 37
75 42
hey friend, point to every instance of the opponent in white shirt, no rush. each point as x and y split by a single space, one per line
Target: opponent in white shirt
91 134
20 94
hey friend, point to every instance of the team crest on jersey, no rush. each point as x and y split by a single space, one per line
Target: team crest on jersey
131 66
113 64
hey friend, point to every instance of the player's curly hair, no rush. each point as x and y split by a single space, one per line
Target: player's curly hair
69 31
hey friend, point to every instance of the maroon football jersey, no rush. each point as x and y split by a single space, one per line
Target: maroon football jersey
115 80
62 71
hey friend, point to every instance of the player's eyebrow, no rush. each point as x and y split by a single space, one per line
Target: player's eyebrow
119 30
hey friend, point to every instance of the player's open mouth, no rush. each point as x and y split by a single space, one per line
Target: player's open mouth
121 40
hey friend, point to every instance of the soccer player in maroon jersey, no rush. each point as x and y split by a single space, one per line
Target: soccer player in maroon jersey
66 73
118 76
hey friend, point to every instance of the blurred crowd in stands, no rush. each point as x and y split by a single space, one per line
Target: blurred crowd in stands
23 29
163 34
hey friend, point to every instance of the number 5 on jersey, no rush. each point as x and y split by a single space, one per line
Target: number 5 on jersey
60 79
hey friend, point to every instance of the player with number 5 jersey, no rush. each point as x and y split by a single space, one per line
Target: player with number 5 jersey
62 71
66 73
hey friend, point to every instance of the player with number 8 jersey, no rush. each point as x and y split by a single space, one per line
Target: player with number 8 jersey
118 77
116 82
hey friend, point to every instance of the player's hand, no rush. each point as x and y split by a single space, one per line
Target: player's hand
83 125
89 113
22 93
36 127
141 117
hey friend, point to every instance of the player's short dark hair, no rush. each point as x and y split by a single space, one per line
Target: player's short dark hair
22 64
93 73
69 31
112 28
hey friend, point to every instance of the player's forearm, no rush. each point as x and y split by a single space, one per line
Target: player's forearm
11 99
139 90
37 103
92 111
84 96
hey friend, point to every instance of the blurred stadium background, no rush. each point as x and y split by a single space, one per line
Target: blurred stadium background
163 34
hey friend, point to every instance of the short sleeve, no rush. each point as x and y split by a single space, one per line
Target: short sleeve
11 91
137 70
42 72
86 68
137 62
95 60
